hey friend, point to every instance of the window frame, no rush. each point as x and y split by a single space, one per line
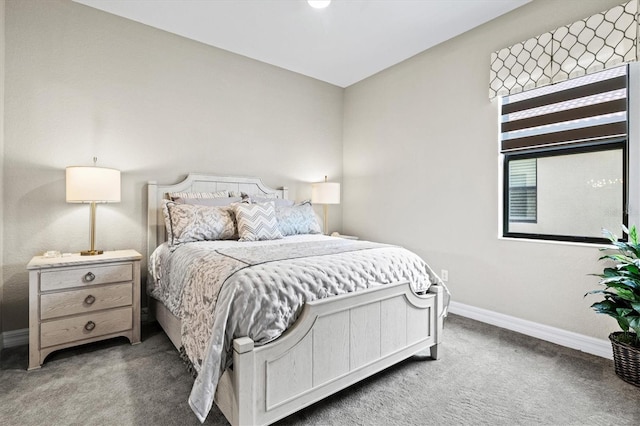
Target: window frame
597 146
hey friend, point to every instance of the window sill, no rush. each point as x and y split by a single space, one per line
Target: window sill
562 243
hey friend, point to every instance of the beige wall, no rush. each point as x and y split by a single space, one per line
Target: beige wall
83 83
419 148
2 76
421 170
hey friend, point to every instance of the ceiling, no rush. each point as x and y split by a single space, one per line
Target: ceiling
348 41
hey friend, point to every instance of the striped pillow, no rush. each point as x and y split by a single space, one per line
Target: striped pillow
257 222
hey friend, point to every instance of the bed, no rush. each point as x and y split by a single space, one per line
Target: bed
332 343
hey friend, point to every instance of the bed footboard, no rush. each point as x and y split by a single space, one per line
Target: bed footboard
336 342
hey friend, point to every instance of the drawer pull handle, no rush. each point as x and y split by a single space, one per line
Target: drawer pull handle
89 277
90 326
89 300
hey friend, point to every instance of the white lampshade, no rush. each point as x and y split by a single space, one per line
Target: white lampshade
86 184
319 4
325 193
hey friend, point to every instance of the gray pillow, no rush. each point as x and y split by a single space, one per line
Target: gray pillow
187 223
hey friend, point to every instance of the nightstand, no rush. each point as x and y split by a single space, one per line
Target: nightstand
81 299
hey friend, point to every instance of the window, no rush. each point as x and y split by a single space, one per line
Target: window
523 192
564 150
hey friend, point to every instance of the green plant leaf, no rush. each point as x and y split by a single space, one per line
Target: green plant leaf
605 307
632 283
609 235
634 323
626 248
623 323
621 258
626 294
611 295
623 311
633 235
609 280
621 282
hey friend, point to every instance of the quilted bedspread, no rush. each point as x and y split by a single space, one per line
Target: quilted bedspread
224 289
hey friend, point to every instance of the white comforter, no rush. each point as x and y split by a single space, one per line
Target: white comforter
222 292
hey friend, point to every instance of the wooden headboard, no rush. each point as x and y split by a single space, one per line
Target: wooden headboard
194 182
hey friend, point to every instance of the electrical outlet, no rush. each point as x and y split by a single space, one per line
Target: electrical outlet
444 275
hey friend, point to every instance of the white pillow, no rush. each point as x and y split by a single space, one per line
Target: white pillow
278 202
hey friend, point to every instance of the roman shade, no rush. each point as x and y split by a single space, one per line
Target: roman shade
601 41
585 110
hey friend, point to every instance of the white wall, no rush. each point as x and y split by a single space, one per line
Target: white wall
421 169
83 83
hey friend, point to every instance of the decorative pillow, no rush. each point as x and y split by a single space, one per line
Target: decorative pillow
270 196
186 223
257 222
279 202
219 194
297 219
220 201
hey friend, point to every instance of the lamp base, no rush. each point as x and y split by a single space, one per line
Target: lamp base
91 252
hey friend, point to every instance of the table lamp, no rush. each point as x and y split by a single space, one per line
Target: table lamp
325 193
92 184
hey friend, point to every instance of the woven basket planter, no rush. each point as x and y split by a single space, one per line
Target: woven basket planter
626 359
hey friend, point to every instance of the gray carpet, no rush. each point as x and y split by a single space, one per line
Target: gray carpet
486 375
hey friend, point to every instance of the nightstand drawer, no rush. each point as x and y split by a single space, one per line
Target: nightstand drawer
68 278
53 305
86 326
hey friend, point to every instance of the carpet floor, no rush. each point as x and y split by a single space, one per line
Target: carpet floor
485 376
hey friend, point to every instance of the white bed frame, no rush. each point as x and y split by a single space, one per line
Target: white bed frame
335 342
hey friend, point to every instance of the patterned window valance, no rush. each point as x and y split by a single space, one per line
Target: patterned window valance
598 42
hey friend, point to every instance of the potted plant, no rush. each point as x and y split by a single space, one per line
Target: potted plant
621 281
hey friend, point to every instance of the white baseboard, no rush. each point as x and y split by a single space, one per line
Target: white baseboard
558 336
555 335
14 338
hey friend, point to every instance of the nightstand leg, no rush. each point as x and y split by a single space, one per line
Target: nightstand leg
135 333
34 322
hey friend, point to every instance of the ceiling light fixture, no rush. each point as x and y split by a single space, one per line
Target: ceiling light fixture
319 4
